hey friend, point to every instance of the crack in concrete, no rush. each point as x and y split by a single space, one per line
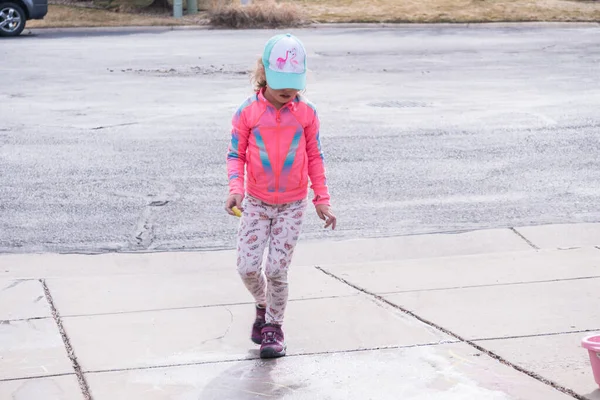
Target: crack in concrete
85 389
490 285
113 126
159 203
519 234
226 330
189 71
144 233
450 333
15 283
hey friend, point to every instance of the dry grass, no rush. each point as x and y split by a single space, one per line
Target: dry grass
450 10
268 13
259 14
76 17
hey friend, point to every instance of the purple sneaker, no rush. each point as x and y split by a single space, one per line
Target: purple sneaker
273 345
259 322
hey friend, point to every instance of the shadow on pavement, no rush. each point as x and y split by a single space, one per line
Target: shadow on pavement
595 395
250 380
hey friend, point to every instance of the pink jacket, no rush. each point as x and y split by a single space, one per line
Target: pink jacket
280 150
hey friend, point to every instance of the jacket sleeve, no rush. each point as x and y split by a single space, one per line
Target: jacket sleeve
236 155
316 162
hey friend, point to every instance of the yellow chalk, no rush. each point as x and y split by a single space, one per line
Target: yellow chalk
236 211
464 360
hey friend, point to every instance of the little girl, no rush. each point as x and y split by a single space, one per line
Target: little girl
274 150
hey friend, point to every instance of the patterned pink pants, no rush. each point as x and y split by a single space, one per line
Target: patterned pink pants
280 225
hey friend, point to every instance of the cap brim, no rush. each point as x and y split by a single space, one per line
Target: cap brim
285 80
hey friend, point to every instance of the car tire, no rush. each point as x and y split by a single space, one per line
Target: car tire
12 19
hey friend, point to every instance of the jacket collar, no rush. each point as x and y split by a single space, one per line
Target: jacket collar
292 104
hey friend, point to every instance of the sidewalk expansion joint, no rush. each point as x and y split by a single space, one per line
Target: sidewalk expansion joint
257 357
519 234
380 348
85 389
9 321
578 278
195 307
535 335
471 343
26 378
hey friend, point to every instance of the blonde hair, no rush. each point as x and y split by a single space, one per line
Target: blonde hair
259 76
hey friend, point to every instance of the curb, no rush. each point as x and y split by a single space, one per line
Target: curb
421 25
116 29
478 25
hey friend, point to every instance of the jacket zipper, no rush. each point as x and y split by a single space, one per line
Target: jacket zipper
277 169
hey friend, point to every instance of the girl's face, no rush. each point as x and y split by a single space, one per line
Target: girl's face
280 97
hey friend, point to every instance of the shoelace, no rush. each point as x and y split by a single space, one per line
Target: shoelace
270 338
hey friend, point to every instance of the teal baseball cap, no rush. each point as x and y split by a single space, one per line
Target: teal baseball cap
284 59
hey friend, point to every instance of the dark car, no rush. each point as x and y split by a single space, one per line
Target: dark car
14 14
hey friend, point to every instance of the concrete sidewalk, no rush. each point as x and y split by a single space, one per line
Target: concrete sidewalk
413 317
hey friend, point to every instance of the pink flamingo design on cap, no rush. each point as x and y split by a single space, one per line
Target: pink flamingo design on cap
293 60
281 61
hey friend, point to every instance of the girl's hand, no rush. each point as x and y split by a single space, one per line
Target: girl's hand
324 212
233 200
